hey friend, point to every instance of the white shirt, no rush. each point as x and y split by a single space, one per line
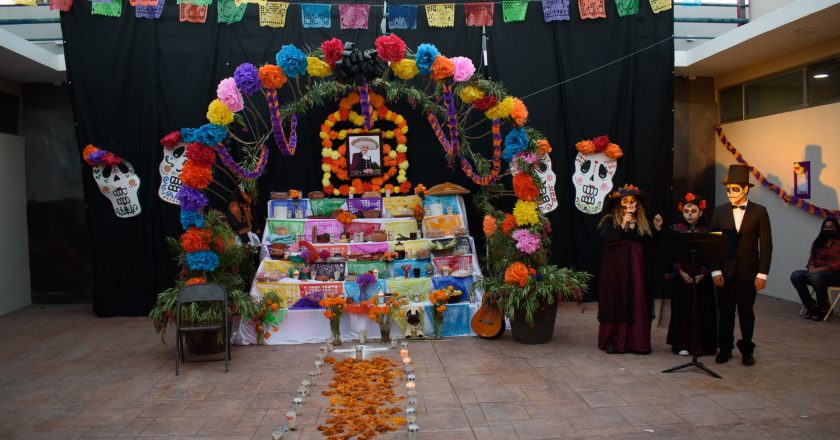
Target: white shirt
738 215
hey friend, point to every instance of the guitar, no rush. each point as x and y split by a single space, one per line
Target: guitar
488 321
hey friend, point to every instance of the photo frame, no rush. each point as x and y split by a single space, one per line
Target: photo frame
802 179
364 155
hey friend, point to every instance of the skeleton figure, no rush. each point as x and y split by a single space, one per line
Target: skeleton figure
170 170
119 184
595 166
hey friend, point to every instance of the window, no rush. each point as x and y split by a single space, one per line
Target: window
775 94
731 104
824 81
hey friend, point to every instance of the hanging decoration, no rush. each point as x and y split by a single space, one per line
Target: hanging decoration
316 15
592 9
192 13
627 7
116 180
514 10
555 10
111 8
174 157
660 5
149 11
353 16
229 12
780 193
441 15
479 14
595 166
273 14
402 17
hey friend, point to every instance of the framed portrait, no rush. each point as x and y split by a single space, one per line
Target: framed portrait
364 155
802 179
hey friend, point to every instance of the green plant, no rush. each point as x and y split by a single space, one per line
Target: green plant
235 266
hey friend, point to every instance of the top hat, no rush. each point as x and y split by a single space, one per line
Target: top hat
738 175
371 143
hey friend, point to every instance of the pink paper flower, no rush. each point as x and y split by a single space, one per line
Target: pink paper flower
229 94
526 241
464 68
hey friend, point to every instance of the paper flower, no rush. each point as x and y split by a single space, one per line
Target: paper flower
188 135
526 241
489 225
516 274
365 279
195 280
247 78
228 93
333 51
390 48
515 141
526 213
470 94
204 261
613 151
210 134
218 113
442 68
200 154
464 68
191 199
501 110
405 69
196 239
191 218
425 56
543 147
317 68
508 224
585 147
171 139
485 103
519 113
524 187
195 175
292 60
271 77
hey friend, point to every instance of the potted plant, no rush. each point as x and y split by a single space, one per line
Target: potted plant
520 278
234 266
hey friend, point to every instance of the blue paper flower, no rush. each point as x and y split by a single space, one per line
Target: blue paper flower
188 135
516 141
292 60
210 134
204 261
247 78
191 218
426 54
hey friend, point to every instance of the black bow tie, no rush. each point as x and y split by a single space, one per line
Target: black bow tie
744 207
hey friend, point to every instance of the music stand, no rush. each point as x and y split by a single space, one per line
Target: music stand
697 249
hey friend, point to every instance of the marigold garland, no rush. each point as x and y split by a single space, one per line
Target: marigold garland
362 399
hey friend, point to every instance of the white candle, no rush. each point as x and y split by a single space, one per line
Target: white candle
291 419
406 360
313 377
404 353
297 404
410 386
410 414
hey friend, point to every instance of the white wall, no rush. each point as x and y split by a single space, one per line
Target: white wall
14 248
772 144
764 7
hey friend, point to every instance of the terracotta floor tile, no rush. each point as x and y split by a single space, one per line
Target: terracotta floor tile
503 411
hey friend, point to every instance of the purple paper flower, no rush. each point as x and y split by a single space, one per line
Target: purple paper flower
228 93
304 253
191 199
365 279
526 241
308 302
247 78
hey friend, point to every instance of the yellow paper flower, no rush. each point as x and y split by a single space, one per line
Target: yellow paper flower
316 67
218 113
525 213
403 165
501 110
405 69
401 148
392 154
326 168
470 94
401 178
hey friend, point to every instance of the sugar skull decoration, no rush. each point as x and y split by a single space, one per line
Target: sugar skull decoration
545 179
174 156
116 179
595 166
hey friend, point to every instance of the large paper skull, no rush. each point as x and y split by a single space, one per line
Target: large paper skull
170 171
119 184
547 200
593 181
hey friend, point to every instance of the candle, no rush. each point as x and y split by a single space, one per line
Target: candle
410 386
313 377
376 274
411 377
291 419
329 347
406 360
337 275
410 414
409 369
413 429
297 404
360 352
362 336
412 401
404 353
317 365
280 433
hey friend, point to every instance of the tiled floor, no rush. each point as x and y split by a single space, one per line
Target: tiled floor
68 375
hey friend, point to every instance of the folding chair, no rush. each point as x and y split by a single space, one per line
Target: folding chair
200 293
835 291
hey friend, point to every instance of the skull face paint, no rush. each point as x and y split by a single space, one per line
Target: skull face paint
593 180
170 171
119 184
691 213
629 204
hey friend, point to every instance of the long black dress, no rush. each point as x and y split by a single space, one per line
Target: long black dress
684 333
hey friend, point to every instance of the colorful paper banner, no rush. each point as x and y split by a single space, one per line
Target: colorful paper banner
316 15
273 14
26 2
402 16
514 10
441 15
592 9
108 9
660 5
240 2
627 7
229 13
479 14
151 12
61 5
192 13
353 16
555 10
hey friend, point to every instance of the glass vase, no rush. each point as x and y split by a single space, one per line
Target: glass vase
335 331
438 324
385 330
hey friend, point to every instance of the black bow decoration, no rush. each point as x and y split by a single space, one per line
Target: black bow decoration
356 66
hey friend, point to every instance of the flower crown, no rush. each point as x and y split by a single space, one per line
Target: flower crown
598 145
97 158
626 190
691 199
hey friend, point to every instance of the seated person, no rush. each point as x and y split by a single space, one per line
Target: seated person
823 271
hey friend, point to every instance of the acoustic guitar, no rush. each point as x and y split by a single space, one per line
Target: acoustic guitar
488 321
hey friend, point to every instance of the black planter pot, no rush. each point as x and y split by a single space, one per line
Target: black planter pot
542 330
203 343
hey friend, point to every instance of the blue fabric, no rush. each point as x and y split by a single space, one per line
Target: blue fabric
456 319
415 264
402 16
352 290
445 201
458 283
316 15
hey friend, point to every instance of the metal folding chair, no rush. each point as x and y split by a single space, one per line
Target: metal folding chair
835 292
200 293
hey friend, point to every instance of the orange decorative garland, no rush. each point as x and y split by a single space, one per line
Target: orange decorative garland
334 161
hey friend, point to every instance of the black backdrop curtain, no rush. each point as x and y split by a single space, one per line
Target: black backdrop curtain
134 80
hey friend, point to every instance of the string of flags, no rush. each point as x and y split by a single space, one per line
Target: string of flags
357 16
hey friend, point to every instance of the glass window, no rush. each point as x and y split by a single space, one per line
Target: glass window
775 94
824 81
731 104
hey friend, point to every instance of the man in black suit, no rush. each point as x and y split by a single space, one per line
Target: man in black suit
749 250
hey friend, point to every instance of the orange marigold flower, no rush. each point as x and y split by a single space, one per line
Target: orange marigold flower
516 274
196 239
489 225
519 113
196 280
613 151
195 175
272 77
508 224
442 68
524 187
585 147
274 307
543 147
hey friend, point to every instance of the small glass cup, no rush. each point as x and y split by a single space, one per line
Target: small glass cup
412 401
410 414
394 340
413 429
313 377
280 433
291 420
411 377
409 369
297 404
360 352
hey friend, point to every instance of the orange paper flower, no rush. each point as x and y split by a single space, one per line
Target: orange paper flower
196 280
543 147
524 187
196 176
516 274
508 224
489 225
272 77
442 68
519 113
195 239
